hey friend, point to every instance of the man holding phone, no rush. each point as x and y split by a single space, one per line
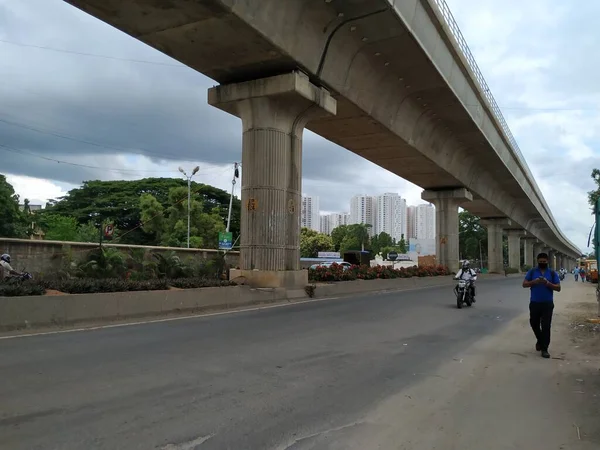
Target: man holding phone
542 281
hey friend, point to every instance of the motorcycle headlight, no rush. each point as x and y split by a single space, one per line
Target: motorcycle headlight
462 283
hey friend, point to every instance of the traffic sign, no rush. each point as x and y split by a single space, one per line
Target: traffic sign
109 230
225 240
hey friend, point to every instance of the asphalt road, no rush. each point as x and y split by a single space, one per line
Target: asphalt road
281 378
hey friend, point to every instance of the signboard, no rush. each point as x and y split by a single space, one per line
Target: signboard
332 255
109 230
225 240
392 256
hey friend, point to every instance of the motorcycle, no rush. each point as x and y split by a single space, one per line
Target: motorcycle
463 293
561 276
23 277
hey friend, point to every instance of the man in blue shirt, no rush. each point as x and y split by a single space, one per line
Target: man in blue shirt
542 282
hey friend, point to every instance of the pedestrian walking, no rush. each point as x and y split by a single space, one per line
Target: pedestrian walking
576 273
542 281
582 274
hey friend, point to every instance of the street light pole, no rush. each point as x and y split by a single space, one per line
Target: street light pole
236 174
189 206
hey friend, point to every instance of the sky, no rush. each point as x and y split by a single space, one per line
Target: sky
138 113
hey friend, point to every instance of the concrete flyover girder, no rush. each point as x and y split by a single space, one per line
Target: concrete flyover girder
396 68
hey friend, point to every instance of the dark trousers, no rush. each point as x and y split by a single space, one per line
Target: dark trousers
540 318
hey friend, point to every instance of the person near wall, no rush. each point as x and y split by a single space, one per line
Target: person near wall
6 270
542 282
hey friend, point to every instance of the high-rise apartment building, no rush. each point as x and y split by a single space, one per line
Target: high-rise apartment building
411 224
309 217
424 221
330 222
391 216
363 209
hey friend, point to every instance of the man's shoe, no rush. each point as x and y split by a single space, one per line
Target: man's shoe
538 347
545 354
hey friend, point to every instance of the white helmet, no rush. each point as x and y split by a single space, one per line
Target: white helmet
5 257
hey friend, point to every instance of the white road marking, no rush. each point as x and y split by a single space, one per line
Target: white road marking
220 313
190 445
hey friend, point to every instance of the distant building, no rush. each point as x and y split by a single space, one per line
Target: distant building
330 222
424 221
310 213
363 209
391 216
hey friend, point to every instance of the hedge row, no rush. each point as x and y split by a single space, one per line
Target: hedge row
95 285
336 272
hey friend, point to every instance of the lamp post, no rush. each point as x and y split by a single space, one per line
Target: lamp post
189 180
236 174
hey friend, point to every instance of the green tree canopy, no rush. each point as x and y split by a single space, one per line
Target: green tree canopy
311 243
470 236
169 225
351 237
120 202
13 223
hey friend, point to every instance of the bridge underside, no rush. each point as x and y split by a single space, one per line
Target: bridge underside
393 106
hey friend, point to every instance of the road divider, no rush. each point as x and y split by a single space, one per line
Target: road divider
18 313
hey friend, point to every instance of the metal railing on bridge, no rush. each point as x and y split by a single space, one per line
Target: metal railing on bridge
451 24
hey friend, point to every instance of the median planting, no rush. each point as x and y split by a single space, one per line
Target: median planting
109 270
336 272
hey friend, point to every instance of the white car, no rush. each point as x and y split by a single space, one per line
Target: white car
345 265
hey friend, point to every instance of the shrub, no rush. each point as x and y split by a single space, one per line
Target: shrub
21 288
94 285
336 272
198 282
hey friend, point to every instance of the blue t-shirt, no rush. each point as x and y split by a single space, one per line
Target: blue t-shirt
539 292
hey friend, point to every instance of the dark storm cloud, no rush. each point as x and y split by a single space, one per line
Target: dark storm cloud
159 111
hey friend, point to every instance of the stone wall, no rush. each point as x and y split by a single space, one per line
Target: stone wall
42 257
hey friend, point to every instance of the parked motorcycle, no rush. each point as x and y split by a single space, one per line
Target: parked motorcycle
463 293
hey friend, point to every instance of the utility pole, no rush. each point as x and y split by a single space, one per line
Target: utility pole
189 206
236 174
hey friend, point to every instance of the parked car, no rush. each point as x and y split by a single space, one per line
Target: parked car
345 265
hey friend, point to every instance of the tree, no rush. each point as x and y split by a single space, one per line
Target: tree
337 236
312 242
380 241
119 202
13 223
169 226
471 236
402 245
593 197
60 228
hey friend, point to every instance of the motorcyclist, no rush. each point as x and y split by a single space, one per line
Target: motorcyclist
7 269
469 275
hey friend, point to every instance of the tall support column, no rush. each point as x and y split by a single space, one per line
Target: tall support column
528 244
495 228
538 248
446 223
514 248
552 259
274 112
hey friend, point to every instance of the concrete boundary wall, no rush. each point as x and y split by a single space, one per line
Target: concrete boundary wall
43 257
67 310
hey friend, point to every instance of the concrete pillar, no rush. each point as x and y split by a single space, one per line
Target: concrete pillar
559 261
514 248
446 223
529 257
274 112
495 228
552 259
538 248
